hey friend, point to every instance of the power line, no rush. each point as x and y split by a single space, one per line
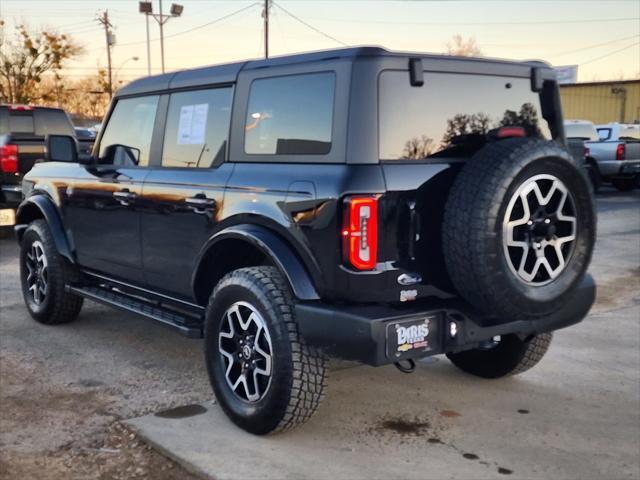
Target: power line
184 32
594 46
533 22
310 26
610 53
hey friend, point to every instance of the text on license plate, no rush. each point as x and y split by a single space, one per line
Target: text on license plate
7 217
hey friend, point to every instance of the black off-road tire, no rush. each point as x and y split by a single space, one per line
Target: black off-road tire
58 306
473 228
298 370
625 184
510 356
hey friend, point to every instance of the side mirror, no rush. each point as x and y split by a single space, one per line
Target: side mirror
61 148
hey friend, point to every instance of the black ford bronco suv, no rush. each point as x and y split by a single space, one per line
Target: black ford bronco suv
377 206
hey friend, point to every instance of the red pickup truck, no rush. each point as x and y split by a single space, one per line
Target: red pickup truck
23 129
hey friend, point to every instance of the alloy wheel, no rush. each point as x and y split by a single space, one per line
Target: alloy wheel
37 272
245 347
539 230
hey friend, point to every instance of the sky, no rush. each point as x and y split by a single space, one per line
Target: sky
601 36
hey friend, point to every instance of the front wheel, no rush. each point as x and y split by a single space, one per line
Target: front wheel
265 377
506 355
44 275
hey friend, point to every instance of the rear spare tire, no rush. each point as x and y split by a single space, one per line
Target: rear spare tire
519 228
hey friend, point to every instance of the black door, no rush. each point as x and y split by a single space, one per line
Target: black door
103 213
182 198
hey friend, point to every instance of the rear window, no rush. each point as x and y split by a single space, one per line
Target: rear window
21 122
582 131
450 115
290 115
604 133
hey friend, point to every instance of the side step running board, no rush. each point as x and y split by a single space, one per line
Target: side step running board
190 326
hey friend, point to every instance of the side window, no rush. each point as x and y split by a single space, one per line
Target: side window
197 128
290 115
127 136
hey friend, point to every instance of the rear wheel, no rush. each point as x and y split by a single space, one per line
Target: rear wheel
44 274
506 355
625 184
265 377
519 229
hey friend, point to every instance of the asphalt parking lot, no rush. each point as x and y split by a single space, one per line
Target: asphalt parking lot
79 400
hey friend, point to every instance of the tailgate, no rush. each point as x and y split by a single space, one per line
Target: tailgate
632 150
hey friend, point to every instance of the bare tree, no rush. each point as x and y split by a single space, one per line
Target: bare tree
418 148
463 124
25 60
462 47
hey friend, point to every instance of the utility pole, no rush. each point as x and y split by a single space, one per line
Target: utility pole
265 16
111 40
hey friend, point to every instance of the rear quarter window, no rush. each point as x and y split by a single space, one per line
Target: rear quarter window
451 113
290 115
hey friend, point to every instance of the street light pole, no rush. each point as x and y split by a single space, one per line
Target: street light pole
266 28
146 7
148 47
161 37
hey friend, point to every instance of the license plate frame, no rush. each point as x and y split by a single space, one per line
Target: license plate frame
7 217
414 337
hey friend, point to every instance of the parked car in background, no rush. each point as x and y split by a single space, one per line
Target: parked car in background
86 138
578 133
618 154
22 137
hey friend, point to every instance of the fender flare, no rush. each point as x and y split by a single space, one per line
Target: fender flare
275 248
50 214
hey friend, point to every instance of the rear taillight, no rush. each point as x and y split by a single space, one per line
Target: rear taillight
9 158
20 108
360 232
620 151
587 151
509 132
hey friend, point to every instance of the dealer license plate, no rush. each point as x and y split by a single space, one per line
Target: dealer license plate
411 338
7 217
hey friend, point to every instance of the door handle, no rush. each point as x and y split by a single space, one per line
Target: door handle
200 203
124 196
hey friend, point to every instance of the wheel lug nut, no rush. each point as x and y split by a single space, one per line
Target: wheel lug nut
530 222
538 245
547 220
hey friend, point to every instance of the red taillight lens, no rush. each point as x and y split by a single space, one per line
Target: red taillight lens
587 151
508 132
9 158
620 151
20 108
360 232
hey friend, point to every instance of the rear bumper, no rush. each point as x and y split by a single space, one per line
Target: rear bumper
619 168
365 332
10 195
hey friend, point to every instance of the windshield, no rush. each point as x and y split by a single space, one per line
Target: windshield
452 113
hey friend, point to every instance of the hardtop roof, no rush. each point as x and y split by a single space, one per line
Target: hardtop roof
228 73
